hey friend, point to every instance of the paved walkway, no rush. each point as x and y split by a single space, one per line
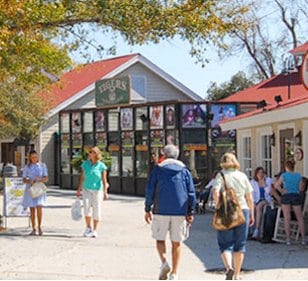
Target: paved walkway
125 249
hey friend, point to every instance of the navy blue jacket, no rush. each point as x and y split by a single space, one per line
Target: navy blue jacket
170 190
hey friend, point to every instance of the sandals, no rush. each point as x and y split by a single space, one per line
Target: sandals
229 274
33 232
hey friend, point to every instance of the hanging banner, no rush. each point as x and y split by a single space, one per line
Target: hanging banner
112 91
14 189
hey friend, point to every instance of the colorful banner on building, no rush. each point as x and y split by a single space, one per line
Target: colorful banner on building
14 189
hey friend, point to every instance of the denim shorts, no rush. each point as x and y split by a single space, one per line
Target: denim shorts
234 239
293 199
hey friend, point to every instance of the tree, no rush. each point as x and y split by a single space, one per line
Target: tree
237 83
31 49
273 28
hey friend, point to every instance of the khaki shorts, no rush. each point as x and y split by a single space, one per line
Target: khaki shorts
92 203
175 225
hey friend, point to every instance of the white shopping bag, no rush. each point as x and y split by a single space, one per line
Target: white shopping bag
76 210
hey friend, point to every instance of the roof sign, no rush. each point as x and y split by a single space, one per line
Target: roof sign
112 91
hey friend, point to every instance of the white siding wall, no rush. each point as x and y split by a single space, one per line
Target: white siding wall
47 148
157 88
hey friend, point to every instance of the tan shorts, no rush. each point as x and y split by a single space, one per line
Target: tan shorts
175 225
92 203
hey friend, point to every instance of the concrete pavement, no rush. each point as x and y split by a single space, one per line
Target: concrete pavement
125 249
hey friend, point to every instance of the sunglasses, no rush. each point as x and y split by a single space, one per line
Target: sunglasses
91 151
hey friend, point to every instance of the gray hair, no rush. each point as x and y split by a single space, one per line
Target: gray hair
171 151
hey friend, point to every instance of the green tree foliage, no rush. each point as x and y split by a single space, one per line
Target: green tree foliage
238 82
31 50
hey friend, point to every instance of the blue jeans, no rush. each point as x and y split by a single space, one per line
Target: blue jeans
234 240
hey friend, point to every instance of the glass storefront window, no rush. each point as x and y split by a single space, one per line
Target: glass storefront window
100 121
65 161
88 139
156 117
172 137
114 150
193 115
76 122
101 140
194 151
194 136
113 116
142 154
126 118
127 139
141 120
196 161
88 122
65 122
170 117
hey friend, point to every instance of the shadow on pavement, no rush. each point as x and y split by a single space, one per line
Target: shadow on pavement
203 243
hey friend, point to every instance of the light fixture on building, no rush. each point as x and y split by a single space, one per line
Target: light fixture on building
272 138
298 138
278 99
262 104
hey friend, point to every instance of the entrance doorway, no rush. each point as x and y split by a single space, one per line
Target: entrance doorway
286 146
7 153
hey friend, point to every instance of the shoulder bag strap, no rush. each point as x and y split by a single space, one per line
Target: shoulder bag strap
224 179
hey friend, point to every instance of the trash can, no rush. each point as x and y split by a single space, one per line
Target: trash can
10 170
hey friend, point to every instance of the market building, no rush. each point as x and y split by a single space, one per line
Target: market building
130 108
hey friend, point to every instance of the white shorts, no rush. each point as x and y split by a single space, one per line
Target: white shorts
175 225
92 203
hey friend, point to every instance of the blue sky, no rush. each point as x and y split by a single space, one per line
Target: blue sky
173 57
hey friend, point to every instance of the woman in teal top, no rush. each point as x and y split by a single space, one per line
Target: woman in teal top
93 182
292 184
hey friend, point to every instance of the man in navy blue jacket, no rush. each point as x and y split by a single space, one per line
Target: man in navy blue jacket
170 196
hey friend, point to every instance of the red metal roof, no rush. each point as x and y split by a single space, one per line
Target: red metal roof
272 107
268 89
82 76
300 50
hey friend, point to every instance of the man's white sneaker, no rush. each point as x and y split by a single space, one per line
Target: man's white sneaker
164 270
173 277
87 232
94 234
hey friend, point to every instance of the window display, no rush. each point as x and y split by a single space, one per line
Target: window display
76 122
156 116
100 121
193 115
170 117
65 122
142 154
142 120
88 122
126 118
127 139
113 116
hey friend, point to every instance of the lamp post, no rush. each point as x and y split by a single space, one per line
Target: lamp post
209 119
289 67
